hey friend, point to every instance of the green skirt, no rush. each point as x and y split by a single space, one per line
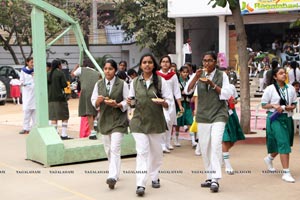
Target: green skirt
58 110
233 131
280 134
187 117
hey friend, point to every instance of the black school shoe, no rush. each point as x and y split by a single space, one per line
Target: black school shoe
140 191
93 137
111 183
206 184
66 137
214 187
156 184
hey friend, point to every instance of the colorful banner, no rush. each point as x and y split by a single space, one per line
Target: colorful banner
267 6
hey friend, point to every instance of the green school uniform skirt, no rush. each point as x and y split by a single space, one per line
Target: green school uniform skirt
233 131
187 117
58 110
280 134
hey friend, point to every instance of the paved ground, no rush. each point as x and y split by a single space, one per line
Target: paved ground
181 173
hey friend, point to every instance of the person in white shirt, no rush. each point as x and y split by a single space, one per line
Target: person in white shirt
212 86
109 95
28 97
187 51
280 100
171 78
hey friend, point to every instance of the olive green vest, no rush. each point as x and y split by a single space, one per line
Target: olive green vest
148 117
210 107
112 119
88 78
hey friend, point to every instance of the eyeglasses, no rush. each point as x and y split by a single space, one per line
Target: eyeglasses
208 61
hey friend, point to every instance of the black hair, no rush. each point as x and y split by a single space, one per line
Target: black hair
122 75
28 59
123 62
212 54
48 64
165 56
294 66
274 72
112 63
154 75
54 65
131 72
295 83
183 67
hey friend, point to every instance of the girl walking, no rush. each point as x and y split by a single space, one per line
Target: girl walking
109 95
280 100
148 123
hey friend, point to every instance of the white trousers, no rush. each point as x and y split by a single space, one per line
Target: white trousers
149 157
29 116
112 147
166 137
210 138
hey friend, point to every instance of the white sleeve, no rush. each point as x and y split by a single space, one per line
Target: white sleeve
225 91
125 95
166 92
187 85
77 72
94 95
266 97
176 87
131 90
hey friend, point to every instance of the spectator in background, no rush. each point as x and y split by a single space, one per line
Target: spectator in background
174 67
48 66
122 66
88 77
294 73
296 85
268 75
132 74
187 51
29 109
15 90
231 75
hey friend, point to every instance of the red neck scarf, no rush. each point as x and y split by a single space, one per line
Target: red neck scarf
166 76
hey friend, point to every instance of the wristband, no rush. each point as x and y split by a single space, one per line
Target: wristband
214 87
283 107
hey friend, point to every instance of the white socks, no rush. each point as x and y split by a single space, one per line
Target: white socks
64 127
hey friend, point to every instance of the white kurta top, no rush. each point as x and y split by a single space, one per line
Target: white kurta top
173 85
28 97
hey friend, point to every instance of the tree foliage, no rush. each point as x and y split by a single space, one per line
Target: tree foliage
15 23
148 23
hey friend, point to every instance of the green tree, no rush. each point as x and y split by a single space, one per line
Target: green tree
15 26
235 8
148 23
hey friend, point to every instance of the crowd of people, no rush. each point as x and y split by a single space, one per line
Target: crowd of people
161 100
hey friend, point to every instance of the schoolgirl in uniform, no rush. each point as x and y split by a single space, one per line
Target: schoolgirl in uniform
187 117
170 76
280 100
28 97
233 131
110 95
148 123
